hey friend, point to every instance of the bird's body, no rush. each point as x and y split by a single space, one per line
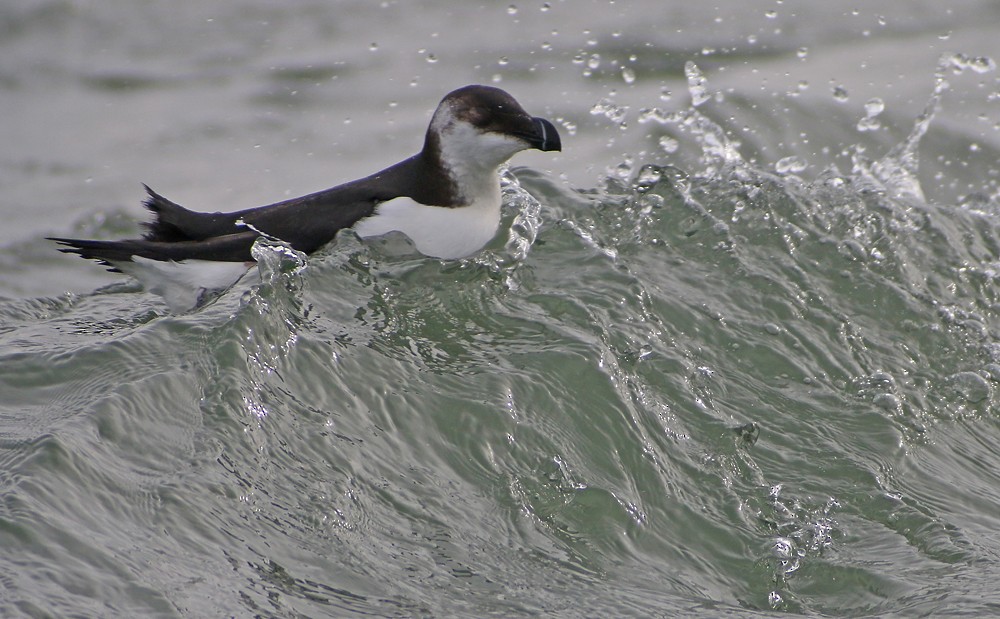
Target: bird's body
446 198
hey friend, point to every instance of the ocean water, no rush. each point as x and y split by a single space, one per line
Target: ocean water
735 352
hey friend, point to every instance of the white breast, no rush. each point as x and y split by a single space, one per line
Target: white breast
437 231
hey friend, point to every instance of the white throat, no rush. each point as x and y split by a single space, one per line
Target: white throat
472 159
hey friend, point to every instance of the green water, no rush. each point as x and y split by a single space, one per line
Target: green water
693 396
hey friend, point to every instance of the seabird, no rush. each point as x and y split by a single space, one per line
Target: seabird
446 199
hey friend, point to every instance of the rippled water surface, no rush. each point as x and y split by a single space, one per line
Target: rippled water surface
735 352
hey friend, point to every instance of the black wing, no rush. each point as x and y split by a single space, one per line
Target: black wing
306 223
226 248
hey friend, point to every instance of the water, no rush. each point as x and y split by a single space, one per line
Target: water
734 352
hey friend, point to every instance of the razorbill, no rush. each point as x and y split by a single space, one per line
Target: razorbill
446 199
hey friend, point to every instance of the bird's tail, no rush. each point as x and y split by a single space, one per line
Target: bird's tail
166 217
105 252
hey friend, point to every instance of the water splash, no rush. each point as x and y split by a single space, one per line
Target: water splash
719 151
790 165
871 122
276 301
611 110
697 84
897 170
801 529
959 63
276 258
270 328
657 115
524 228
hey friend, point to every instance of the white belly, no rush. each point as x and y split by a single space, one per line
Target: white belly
182 284
437 231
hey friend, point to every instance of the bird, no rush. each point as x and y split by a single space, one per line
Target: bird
446 199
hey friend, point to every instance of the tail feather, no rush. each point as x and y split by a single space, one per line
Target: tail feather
104 252
166 215
172 223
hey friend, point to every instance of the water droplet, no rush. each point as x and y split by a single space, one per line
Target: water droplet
568 125
512 10
652 114
802 52
669 144
979 64
648 176
790 165
503 61
594 61
886 401
610 110
881 378
840 93
696 84
783 548
770 14
874 107
774 599
373 47
628 74
971 386
666 95
546 6
869 124
622 171
431 58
